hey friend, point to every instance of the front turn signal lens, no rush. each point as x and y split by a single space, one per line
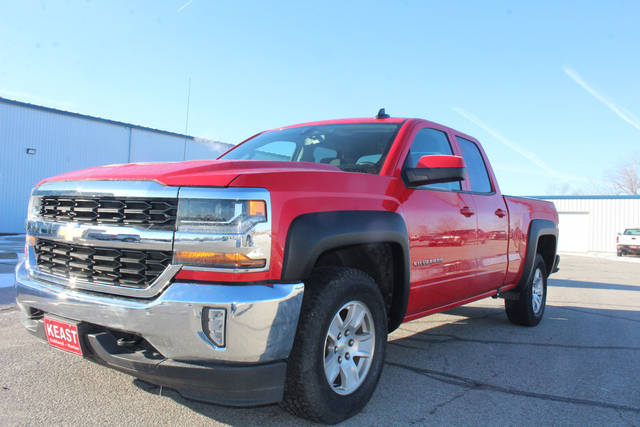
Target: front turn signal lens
258 208
218 259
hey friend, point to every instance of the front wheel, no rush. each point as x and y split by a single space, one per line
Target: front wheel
528 308
338 353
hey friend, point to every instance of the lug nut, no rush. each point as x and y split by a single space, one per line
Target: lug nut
350 343
339 359
335 349
346 356
346 333
339 335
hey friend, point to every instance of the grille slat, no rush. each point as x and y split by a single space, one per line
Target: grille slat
154 213
116 267
80 265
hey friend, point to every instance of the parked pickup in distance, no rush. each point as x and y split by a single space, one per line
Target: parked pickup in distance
628 243
275 273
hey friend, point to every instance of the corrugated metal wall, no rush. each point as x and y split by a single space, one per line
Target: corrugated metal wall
65 142
603 218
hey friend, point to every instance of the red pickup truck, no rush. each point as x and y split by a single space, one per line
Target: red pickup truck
275 273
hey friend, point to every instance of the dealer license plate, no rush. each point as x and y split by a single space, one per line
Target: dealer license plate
62 335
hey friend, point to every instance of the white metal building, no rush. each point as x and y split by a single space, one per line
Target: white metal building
37 142
591 223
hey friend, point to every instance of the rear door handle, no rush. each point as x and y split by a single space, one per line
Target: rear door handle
467 211
500 213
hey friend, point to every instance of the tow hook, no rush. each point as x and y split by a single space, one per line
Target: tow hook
128 342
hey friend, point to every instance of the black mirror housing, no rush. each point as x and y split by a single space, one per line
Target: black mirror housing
423 176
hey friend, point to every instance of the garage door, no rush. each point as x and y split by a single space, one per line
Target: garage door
575 233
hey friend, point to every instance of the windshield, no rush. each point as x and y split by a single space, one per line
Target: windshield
352 147
632 231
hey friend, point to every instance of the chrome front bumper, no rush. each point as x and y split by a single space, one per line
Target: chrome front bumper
261 320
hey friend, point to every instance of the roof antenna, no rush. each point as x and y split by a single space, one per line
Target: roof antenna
382 114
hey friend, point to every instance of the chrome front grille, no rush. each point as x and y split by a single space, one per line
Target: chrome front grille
150 213
116 267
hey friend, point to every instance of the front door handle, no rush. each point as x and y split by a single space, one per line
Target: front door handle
500 213
467 211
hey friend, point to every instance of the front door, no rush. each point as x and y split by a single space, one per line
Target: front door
442 232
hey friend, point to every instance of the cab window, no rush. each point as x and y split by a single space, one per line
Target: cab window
428 142
476 169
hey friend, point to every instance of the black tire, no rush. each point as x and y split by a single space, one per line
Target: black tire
620 253
521 310
308 393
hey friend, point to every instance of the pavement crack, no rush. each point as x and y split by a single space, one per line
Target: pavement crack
448 401
479 385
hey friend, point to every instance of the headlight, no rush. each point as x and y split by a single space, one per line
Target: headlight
220 216
33 211
223 229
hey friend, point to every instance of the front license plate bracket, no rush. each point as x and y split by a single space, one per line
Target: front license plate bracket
64 334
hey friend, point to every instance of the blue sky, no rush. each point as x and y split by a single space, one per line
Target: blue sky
551 89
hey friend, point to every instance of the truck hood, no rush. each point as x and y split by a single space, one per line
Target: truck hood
213 173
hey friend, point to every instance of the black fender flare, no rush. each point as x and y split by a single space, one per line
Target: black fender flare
311 235
537 229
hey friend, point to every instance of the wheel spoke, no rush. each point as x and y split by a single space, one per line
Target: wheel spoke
349 375
335 327
365 346
352 311
332 367
358 317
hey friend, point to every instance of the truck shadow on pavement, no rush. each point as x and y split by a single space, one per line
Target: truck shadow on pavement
434 361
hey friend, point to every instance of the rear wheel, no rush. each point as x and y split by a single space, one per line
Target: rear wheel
620 253
528 308
338 353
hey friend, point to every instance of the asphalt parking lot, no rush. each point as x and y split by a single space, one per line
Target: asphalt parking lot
468 366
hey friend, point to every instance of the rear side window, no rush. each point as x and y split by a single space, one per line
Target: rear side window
428 142
477 170
632 231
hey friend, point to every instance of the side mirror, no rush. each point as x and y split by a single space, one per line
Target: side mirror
436 169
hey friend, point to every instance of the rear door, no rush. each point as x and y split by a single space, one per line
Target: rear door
493 219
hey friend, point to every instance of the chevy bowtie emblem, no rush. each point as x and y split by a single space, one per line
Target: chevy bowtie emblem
70 232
